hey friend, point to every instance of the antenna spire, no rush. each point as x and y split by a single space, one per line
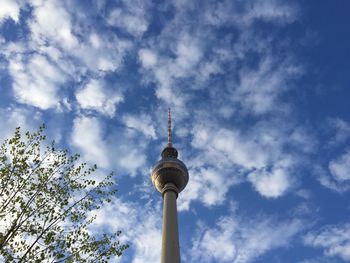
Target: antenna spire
170 143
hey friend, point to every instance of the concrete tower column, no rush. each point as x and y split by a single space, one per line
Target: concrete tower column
170 238
170 177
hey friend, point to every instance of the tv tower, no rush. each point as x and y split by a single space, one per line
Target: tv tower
170 177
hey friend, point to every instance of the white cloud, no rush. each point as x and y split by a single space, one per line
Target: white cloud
12 117
131 160
224 158
128 151
53 55
9 9
224 145
327 180
87 136
192 55
337 177
96 97
132 17
271 10
189 53
303 140
207 185
241 240
147 57
110 150
208 68
342 131
36 80
218 247
194 191
171 96
340 167
101 52
272 183
132 23
72 41
335 239
142 123
258 90
51 22
167 70
141 228
216 168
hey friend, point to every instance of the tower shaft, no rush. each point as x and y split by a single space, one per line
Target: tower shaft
170 237
170 177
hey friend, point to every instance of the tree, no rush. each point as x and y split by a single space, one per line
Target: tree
47 204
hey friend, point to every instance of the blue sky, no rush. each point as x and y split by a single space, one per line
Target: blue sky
259 92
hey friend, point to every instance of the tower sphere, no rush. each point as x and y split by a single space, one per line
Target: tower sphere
169 170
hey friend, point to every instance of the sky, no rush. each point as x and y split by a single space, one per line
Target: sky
259 93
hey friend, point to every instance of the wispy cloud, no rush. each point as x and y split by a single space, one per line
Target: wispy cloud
240 240
342 131
140 228
333 172
34 86
9 9
340 167
13 117
142 123
334 239
226 157
87 137
51 22
95 96
131 17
